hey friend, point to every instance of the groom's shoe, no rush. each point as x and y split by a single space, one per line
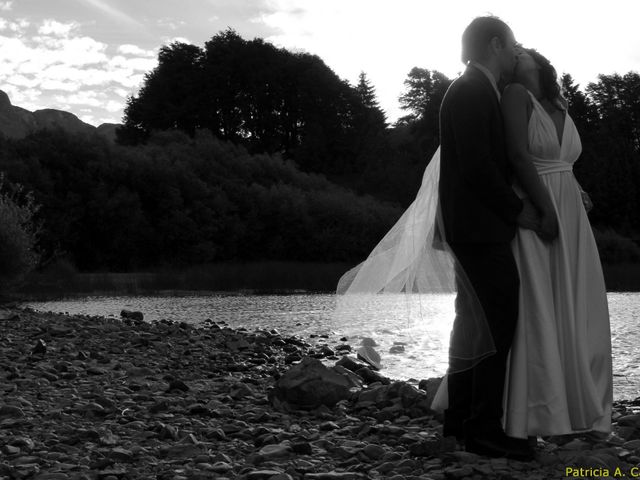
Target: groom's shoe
457 431
499 445
453 426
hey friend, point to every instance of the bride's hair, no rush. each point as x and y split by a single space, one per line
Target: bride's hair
548 79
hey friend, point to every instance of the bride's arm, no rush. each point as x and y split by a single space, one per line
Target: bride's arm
516 117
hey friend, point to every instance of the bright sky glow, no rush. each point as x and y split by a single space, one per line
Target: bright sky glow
87 56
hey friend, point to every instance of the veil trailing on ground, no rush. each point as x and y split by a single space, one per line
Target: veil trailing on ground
411 269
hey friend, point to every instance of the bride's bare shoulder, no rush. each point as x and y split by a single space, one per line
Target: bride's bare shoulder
515 91
515 99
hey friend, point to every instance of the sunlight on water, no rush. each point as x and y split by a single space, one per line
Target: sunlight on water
400 321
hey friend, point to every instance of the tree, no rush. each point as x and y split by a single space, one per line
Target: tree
366 92
171 96
254 94
18 233
582 110
610 165
424 91
617 99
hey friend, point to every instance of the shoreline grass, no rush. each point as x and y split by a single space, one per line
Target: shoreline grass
269 277
255 277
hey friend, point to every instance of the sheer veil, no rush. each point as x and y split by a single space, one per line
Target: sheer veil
411 268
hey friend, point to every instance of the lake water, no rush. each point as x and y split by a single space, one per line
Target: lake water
388 322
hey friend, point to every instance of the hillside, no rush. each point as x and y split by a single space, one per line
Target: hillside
17 122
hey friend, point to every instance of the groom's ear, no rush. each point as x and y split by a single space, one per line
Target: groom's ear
495 44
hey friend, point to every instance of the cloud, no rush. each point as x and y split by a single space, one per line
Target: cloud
135 63
28 98
170 23
170 40
58 29
85 97
128 49
56 66
6 6
113 106
17 27
22 81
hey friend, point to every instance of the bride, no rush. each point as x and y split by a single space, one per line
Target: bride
559 379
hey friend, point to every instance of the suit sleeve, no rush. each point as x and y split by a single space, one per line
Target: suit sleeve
470 116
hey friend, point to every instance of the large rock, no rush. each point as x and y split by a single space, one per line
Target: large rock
310 384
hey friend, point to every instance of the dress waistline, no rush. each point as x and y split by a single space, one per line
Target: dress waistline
546 166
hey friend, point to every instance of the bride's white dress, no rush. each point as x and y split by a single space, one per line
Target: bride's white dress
559 378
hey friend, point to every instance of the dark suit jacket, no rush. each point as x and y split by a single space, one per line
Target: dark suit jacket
477 201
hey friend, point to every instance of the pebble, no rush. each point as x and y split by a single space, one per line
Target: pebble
174 401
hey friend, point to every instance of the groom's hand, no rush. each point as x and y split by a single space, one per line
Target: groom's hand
528 217
548 230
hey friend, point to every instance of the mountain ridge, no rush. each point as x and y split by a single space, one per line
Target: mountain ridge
17 122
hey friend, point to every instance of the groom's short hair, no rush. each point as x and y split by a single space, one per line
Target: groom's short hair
478 34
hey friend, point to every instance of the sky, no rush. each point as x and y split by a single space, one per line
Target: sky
88 56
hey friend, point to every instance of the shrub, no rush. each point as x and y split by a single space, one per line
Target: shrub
18 234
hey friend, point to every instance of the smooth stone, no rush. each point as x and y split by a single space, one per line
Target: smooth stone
40 348
459 472
23 442
281 476
386 467
351 363
370 356
121 455
370 376
302 448
275 451
629 421
262 474
178 385
374 452
10 450
11 411
328 426
132 315
576 444
26 460
333 475
632 444
221 467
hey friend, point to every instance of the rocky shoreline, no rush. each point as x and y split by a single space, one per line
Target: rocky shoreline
98 398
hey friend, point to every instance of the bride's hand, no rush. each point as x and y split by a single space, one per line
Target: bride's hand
586 201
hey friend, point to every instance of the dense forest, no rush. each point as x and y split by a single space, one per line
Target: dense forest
241 151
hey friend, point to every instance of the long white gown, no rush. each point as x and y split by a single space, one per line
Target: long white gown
559 378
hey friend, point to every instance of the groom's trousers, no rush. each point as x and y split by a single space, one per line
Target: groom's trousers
476 394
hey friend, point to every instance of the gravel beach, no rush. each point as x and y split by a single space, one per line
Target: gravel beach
96 398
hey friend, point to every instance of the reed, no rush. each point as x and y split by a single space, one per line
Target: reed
256 277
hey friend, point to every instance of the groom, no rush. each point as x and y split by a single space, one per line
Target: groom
480 212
